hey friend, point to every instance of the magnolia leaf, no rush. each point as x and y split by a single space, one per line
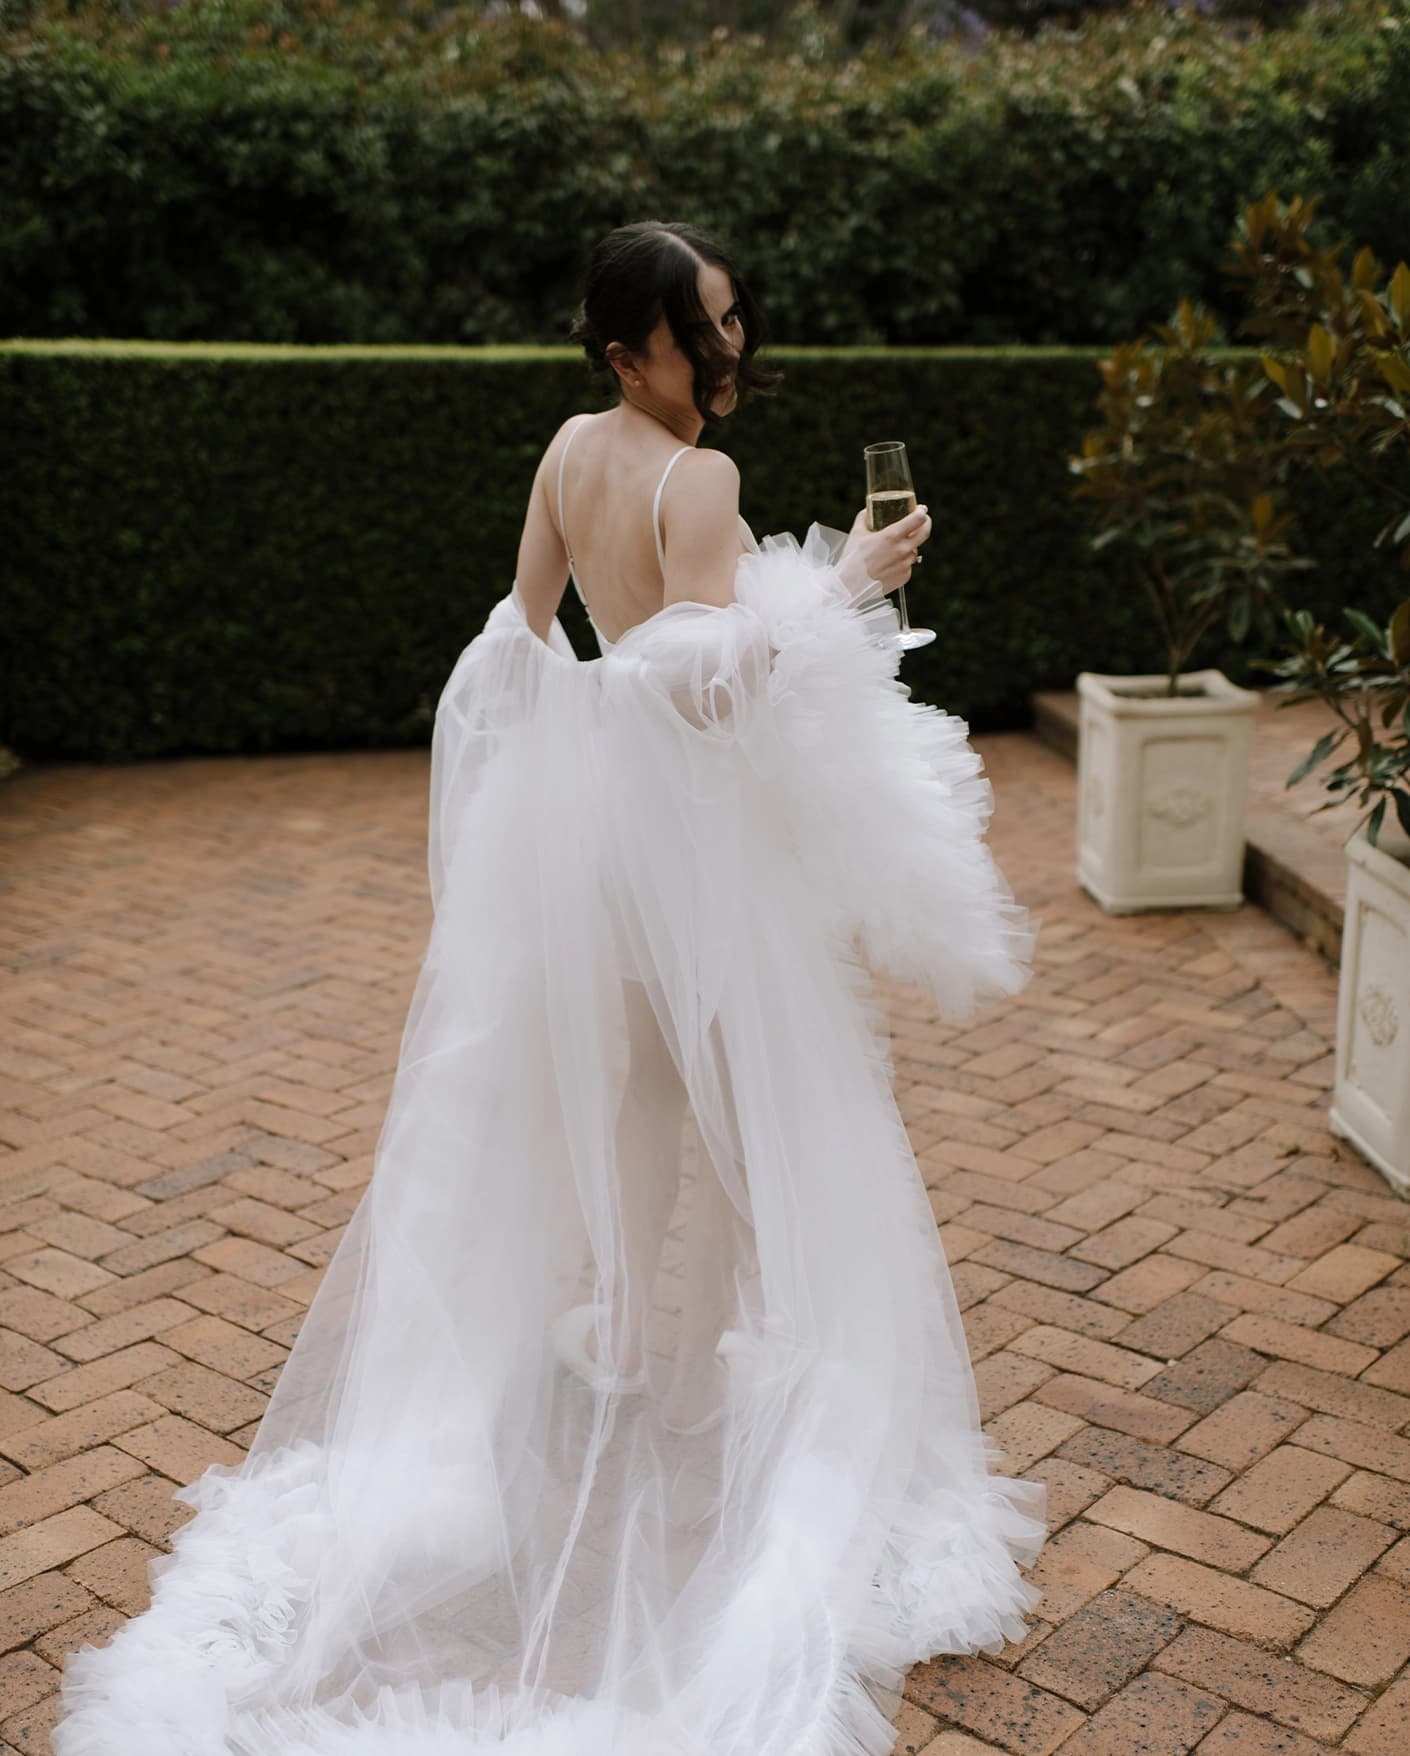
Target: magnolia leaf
1402 808
1400 620
1395 369
1365 270
1319 752
1400 295
1364 626
1321 350
1365 740
1258 216
1373 826
1373 315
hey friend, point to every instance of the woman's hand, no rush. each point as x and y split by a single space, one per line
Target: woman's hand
885 556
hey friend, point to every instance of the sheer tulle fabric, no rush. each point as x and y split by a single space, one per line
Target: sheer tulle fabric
642 1072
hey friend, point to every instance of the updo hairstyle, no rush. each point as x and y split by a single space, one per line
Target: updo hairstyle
642 272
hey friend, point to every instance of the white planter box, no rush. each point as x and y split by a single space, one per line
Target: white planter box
1162 785
1371 1097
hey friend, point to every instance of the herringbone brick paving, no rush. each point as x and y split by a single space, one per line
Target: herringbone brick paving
1188 1306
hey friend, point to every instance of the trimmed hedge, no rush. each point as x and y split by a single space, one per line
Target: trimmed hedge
213 548
298 170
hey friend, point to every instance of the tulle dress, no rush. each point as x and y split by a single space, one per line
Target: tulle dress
643 1090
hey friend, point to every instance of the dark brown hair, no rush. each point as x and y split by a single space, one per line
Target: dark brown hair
649 270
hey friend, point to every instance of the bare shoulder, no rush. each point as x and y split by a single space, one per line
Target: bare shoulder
560 438
701 529
710 467
706 486
545 476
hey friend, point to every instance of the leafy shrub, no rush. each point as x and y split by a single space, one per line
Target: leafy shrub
216 548
350 170
1365 681
1188 475
1337 347
1339 354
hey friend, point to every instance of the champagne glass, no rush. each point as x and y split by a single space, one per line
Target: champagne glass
891 496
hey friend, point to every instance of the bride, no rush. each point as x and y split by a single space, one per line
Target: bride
633 1415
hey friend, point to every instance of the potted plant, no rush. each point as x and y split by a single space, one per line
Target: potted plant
1366 682
1188 484
1340 358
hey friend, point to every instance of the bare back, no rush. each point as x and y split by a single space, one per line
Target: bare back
609 482
598 486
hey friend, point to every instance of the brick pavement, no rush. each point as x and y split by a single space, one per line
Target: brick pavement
1188 1306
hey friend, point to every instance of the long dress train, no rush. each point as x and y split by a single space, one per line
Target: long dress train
633 1415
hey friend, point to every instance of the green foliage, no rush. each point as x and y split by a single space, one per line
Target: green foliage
1194 466
830 28
1365 680
359 170
1339 355
213 548
1188 476
1031 15
1339 349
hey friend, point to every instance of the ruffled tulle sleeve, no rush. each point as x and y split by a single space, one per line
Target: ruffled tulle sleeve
794 687
492 691
885 796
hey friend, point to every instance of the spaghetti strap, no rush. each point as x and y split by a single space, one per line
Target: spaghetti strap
656 507
562 527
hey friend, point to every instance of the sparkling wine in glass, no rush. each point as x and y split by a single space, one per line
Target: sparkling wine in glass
891 496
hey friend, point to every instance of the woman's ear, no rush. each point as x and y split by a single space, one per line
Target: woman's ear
622 363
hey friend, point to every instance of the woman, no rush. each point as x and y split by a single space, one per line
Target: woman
633 1416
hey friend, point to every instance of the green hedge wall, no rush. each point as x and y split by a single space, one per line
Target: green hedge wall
277 170
216 548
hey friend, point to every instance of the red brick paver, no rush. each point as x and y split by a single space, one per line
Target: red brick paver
1188 1305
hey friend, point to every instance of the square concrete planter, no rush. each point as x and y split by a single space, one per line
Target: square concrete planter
1371 1096
1162 787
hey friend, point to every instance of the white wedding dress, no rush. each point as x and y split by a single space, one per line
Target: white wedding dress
643 1079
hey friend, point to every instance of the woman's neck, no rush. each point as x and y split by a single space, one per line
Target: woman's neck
685 425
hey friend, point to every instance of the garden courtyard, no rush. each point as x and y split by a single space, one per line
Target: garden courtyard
1188 1303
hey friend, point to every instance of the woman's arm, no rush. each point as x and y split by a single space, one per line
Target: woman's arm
541 571
700 529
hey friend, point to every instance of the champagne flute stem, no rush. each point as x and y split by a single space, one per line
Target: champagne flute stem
905 618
